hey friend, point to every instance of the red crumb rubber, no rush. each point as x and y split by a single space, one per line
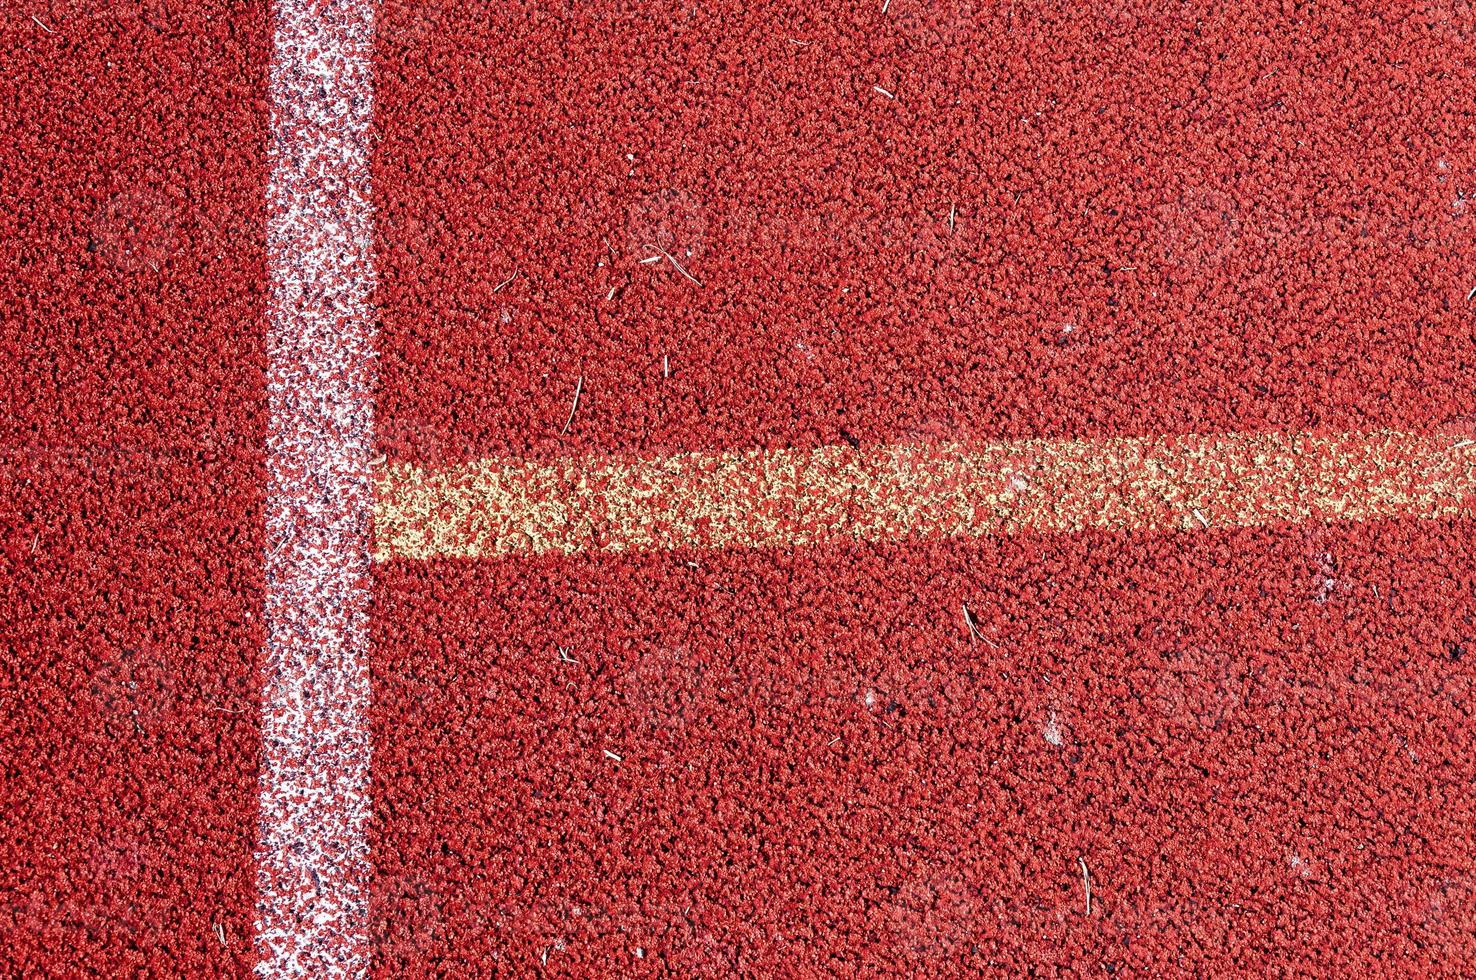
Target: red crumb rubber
132 155
1165 217
1258 742
784 225
617 228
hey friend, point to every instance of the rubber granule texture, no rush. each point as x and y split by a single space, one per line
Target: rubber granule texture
132 156
826 467
633 254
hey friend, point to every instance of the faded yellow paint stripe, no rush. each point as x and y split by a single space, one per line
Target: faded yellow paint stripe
794 497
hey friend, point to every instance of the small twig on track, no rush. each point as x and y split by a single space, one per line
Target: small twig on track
578 390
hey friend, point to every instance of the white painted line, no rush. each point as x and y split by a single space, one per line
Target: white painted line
312 858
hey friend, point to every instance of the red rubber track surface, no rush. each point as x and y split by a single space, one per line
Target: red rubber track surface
908 222
820 773
969 222
1248 216
132 167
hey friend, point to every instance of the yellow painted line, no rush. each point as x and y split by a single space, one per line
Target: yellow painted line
795 497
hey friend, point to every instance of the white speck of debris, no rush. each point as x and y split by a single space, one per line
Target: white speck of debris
506 317
1067 328
663 254
1299 864
1052 731
882 91
578 390
640 953
612 755
1086 883
870 699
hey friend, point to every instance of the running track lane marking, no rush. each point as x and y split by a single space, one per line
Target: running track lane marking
835 494
313 862
312 859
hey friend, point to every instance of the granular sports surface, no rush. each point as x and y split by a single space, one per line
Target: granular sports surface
622 489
